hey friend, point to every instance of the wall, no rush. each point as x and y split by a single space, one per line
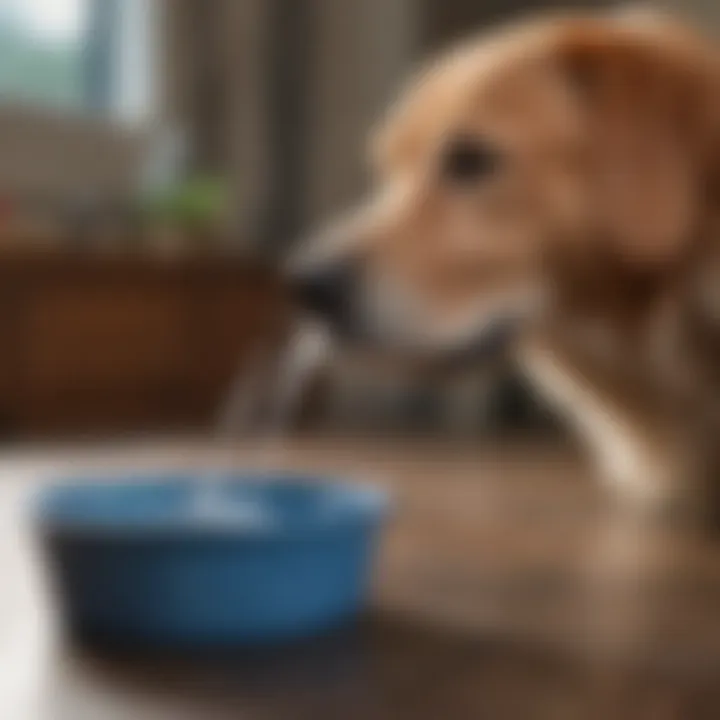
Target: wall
448 20
234 53
705 12
365 50
58 157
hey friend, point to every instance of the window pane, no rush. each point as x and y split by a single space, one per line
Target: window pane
42 45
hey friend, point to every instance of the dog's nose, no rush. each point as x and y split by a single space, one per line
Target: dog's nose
324 291
498 335
492 342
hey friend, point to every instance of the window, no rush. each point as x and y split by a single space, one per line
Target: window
42 48
78 55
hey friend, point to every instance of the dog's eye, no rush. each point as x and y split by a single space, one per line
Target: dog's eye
467 160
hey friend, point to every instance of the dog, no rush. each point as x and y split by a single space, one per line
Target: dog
551 190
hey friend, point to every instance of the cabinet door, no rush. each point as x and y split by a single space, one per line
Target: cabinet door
104 353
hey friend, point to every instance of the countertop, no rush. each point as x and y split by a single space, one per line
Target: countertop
506 587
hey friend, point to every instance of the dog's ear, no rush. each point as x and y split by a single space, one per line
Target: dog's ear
648 102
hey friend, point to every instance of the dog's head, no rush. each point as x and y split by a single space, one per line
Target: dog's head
561 144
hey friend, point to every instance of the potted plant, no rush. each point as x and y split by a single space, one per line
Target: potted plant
187 215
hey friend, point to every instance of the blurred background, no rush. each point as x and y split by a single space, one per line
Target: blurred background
156 159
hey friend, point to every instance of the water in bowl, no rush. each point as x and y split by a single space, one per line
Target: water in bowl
275 384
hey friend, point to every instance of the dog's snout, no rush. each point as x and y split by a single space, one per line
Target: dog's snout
494 340
324 291
499 334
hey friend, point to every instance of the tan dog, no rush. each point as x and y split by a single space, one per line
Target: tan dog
559 179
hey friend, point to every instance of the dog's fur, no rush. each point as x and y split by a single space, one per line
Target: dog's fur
597 233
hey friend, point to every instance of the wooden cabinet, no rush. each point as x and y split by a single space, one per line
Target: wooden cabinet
107 344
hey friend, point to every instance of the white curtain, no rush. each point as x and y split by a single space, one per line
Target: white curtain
134 90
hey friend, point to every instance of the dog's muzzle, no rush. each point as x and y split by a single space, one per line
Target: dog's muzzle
326 292
330 293
494 341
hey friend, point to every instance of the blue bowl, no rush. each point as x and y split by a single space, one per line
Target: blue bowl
262 559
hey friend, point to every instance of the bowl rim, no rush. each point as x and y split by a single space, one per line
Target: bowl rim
375 507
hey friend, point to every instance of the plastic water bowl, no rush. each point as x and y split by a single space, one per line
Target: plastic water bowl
262 558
